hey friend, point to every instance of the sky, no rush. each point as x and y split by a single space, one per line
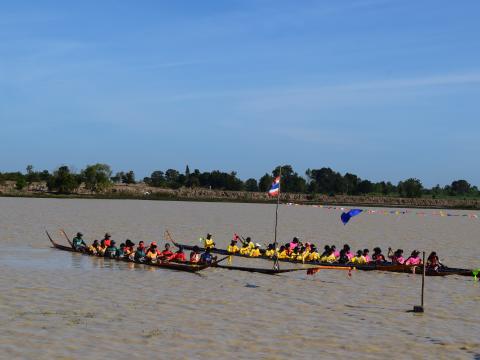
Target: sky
385 89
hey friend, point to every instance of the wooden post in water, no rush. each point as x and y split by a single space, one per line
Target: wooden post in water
276 264
419 309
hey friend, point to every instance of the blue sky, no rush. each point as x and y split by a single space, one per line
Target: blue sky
386 89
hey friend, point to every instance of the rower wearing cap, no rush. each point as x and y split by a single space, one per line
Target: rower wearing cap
414 259
152 252
107 239
208 242
78 242
111 250
233 248
195 255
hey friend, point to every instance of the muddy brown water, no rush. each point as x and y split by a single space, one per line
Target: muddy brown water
58 305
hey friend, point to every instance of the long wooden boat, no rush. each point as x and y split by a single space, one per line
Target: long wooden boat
193 268
387 267
281 271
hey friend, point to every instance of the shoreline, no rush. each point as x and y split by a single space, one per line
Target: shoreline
259 198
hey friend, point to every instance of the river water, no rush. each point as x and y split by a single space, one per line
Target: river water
58 305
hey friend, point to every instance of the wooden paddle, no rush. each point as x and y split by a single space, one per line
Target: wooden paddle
66 236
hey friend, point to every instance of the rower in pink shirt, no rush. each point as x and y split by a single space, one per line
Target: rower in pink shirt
397 256
335 251
294 243
348 253
414 259
366 256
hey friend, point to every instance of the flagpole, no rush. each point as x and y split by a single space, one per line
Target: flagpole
276 265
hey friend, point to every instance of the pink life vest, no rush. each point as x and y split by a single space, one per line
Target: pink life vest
413 261
349 255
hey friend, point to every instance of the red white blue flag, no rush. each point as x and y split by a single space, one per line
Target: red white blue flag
275 189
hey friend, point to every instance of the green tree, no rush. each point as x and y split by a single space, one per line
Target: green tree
129 178
97 177
460 187
410 188
157 179
21 183
64 181
251 185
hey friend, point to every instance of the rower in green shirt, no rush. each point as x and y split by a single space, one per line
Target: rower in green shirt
78 242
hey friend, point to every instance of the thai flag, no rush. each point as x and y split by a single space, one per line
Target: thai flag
275 189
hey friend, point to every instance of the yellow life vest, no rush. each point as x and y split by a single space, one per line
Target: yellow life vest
251 245
314 256
151 255
359 260
328 259
283 254
92 249
255 253
209 243
101 250
270 253
244 251
232 249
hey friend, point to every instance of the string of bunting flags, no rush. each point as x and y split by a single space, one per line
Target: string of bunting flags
348 213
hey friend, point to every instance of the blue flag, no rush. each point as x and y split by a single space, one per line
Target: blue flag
346 216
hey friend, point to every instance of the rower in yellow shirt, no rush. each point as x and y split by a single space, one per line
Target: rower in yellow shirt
255 252
208 242
270 252
328 256
359 259
245 249
313 254
282 254
249 243
233 248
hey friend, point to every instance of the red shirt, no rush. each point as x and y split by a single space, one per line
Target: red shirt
180 257
166 253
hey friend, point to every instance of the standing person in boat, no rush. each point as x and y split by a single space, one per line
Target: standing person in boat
208 242
207 258
78 242
107 238
233 248
377 256
433 262
396 257
414 258
195 255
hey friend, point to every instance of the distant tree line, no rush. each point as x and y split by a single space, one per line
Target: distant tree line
99 178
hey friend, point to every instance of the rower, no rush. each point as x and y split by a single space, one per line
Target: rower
249 243
78 242
107 239
179 256
195 255
111 250
329 257
206 257
294 243
348 253
233 248
129 247
152 252
396 257
366 255
93 249
166 253
433 262
102 248
326 250
313 255
208 242
255 252
245 249
270 252
359 259
335 251
120 251
414 259
282 253
377 256
140 252
343 259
